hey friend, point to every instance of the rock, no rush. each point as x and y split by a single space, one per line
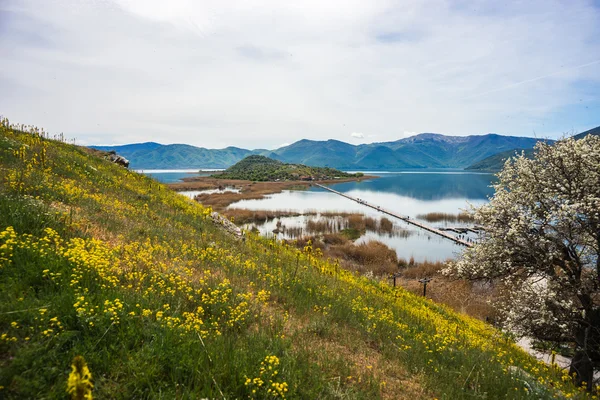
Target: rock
226 224
117 159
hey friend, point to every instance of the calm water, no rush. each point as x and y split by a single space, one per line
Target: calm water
175 175
409 193
193 193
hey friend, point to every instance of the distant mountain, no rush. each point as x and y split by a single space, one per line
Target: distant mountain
594 131
131 150
496 162
330 153
174 156
427 150
261 168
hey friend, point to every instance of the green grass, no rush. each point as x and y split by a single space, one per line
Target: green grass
351 233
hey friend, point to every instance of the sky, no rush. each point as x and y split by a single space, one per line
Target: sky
265 73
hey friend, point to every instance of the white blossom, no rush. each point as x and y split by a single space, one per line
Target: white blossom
542 244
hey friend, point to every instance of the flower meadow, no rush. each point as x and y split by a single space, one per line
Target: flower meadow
102 264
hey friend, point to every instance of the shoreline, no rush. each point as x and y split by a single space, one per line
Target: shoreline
249 190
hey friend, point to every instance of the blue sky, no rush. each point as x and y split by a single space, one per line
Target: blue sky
264 73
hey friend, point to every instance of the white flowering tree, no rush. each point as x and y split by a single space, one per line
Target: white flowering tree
542 243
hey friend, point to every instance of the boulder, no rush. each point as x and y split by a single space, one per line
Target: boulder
117 159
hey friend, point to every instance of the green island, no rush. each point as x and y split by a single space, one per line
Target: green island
115 285
263 169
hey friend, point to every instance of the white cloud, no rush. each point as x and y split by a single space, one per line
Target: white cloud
253 74
406 134
357 135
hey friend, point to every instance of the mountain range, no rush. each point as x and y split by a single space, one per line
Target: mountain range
496 162
426 150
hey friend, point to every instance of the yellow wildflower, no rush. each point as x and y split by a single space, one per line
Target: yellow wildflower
79 385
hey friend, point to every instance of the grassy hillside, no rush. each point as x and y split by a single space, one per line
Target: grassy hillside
261 168
100 262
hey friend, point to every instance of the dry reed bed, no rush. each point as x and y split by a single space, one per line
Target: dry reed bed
327 223
370 257
373 257
243 216
446 217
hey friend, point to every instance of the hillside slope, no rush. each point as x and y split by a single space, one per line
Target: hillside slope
594 131
177 156
100 262
426 150
496 162
461 151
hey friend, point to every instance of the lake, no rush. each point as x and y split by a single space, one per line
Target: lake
175 175
410 192
407 193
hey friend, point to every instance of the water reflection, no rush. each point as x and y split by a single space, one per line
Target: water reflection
407 193
431 185
412 242
175 175
193 193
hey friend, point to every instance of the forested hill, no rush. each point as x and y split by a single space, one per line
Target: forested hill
594 131
176 156
426 150
99 262
496 161
261 168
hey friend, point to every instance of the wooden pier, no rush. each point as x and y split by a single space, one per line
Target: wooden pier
402 217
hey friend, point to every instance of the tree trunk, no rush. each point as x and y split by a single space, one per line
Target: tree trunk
587 350
582 369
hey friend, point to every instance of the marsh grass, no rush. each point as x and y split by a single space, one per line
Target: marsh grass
322 225
242 216
372 256
446 217
386 226
350 225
